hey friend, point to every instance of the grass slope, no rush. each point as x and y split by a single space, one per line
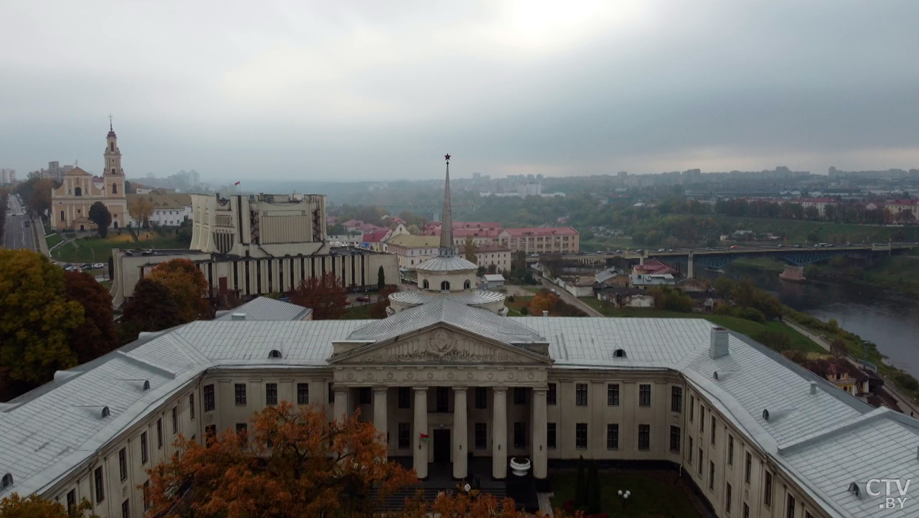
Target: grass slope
97 249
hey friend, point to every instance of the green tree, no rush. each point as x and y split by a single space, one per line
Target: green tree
381 278
724 286
150 308
35 318
99 214
813 236
96 335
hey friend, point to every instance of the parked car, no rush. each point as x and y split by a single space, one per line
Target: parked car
733 247
363 298
99 265
86 266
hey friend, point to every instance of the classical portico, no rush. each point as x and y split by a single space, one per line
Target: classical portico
443 379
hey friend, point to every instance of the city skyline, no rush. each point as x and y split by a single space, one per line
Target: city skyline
363 92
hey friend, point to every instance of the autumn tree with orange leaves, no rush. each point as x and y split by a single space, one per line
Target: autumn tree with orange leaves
186 285
293 463
324 295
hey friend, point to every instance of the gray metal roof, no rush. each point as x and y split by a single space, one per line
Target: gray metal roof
447 263
264 308
825 440
478 321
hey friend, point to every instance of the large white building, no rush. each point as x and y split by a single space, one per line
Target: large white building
756 434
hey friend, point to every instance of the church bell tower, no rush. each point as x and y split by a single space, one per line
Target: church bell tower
113 174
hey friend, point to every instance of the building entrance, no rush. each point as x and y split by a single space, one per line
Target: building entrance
442 446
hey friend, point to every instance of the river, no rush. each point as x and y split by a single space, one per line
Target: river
888 319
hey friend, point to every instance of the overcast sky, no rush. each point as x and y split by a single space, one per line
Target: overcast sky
381 90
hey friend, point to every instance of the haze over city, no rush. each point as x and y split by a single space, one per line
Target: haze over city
363 90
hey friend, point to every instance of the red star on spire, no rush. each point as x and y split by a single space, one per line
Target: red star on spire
447 156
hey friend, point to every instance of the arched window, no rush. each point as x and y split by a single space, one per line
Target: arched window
82 228
114 188
7 481
426 285
274 353
112 146
116 224
78 192
113 170
62 217
467 284
445 286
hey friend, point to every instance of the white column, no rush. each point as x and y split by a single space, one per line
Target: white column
540 453
342 405
460 433
419 447
499 442
379 414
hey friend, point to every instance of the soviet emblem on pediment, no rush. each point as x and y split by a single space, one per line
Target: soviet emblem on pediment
441 342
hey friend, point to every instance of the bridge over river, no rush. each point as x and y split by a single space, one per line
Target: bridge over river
795 257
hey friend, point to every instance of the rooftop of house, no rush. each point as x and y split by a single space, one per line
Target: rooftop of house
265 309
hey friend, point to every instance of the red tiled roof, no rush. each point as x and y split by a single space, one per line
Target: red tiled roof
374 237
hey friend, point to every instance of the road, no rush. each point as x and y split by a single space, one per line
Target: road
570 299
17 234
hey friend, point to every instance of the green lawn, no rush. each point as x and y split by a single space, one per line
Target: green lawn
357 312
54 239
97 249
653 494
740 325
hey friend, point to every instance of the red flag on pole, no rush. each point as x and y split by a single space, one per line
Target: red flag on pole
237 183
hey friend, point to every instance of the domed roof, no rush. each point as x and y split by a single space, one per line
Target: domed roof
447 263
468 298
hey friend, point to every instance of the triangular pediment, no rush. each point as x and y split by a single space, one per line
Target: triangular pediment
441 344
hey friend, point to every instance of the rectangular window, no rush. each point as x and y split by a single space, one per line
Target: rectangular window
146 495
405 436
675 439
644 395
580 436
692 407
520 435
580 394
210 432
689 449
191 406
730 450
303 393
481 397
551 395
331 394
99 483
175 420
123 464
727 498
767 489
72 502
676 399
714 429
405 397
711 475
126 509
790 508
700 461
520 396
271 393
550 436
612 394
159 434
443 399
364 396
644 436
481 436
701 419
748 468
143 448
746 510
242 429
612 436
209 402
240 393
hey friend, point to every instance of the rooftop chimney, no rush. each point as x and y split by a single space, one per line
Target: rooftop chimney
545 313
238 316
719 343
813 387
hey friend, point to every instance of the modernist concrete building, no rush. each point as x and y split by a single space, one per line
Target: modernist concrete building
250 245
759 436
71 201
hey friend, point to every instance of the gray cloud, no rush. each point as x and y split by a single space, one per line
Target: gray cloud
366 90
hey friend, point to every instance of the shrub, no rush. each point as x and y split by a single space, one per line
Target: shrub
753 314
510 299
773 340
524 311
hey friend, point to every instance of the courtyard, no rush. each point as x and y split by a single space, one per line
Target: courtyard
652 494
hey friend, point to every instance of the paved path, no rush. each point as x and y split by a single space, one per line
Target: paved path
571 299
908 406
